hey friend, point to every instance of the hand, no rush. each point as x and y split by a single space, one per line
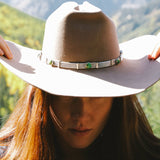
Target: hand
155 53
4 49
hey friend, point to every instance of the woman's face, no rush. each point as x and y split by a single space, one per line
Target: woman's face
81 119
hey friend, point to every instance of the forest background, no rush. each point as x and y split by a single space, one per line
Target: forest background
28 31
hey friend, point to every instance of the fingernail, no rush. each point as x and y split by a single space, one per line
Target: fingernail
149 57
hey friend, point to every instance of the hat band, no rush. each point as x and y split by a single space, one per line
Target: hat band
84 65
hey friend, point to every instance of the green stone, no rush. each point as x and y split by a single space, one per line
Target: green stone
88 65
117 61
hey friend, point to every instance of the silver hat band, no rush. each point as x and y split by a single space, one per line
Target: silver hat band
84 65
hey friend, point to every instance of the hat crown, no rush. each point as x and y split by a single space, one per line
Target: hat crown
79 33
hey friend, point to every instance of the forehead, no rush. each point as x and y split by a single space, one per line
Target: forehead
58 97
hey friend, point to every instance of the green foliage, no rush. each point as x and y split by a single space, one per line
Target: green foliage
7 99
20 27
27 31
150 100
136 22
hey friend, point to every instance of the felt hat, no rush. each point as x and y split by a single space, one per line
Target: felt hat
81 56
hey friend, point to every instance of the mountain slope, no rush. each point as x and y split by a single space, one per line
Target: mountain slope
130 23
20 27
136 22
42 9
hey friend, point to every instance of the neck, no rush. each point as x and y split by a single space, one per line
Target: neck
66 152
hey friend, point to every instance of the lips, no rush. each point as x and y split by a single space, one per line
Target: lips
79 132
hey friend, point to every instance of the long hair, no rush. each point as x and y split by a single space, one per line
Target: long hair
28 133
128 134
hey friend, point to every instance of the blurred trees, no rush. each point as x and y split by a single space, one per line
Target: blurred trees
8 96
21 28
150 101
132 23
27 31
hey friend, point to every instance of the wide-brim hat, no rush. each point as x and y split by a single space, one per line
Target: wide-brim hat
81 56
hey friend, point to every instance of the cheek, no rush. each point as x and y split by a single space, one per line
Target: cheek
101 118
61 114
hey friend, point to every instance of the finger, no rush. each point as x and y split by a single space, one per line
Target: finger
155 53
1 52
5 48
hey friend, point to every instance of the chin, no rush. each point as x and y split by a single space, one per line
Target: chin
79 145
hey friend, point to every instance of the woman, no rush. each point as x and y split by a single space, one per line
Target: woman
84 105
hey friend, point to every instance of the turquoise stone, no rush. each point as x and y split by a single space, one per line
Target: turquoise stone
117 61
88 65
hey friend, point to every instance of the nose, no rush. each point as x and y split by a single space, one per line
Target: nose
80 109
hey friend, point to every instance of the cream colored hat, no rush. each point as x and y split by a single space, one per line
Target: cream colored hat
81 56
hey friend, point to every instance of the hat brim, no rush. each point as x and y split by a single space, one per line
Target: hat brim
133 75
